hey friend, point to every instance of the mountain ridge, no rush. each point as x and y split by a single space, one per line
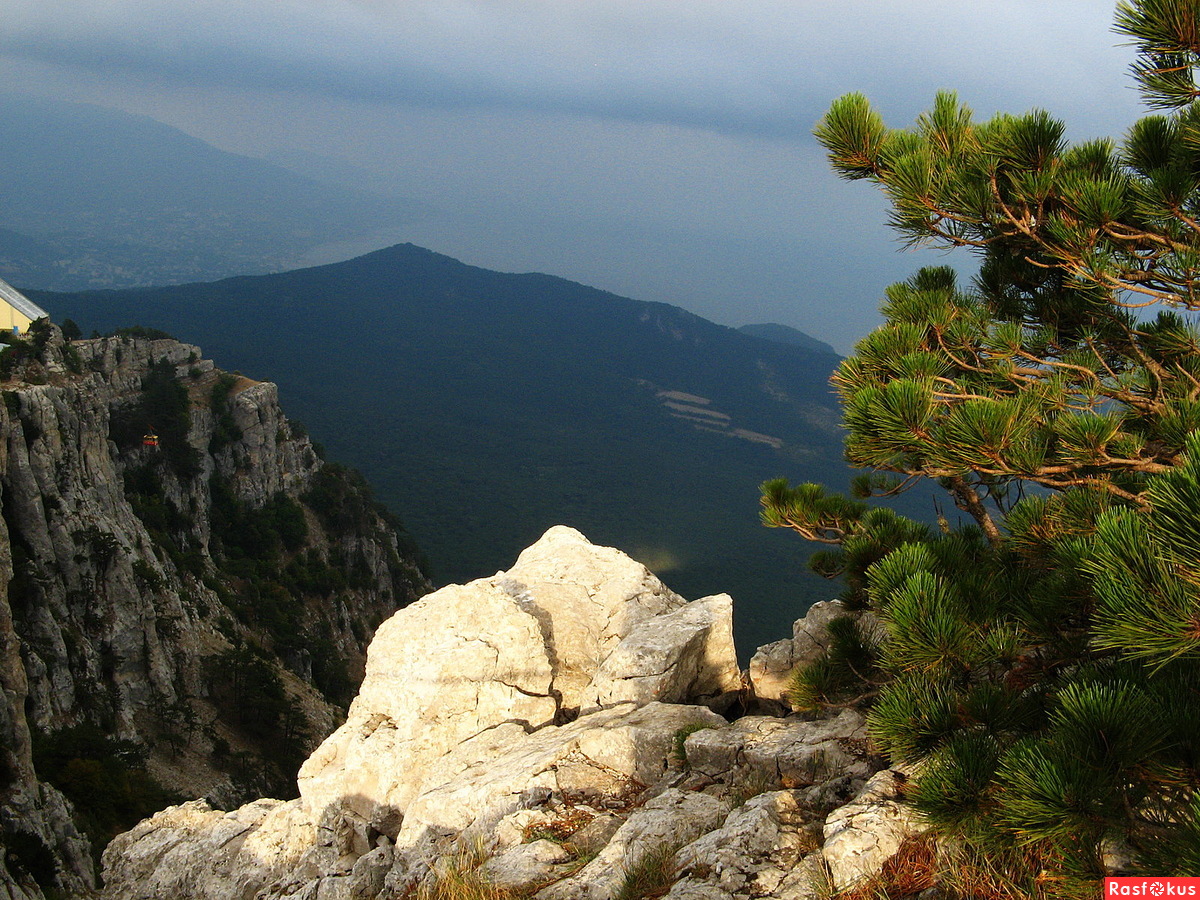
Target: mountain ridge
786 334
487 406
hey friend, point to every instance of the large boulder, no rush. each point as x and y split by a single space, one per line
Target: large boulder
607 619
480 702
457 663
681 656
571 625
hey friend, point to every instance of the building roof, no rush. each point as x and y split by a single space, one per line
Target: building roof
20 302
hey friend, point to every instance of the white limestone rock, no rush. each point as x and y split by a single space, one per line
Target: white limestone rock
752 850
192 850
772 664
692 889
670 820
685 655
369 873
588 600
749 833
525 865
865 833
450 677
770 669
787 752
610 753
810 634
807 880
439 672
592 837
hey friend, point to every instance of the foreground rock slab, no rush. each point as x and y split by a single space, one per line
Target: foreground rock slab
863 834
547 732
541 684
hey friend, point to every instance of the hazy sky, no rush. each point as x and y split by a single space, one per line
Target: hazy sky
655 148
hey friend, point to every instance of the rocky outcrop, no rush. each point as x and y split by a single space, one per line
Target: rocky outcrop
551 731
523 650
154 590
766 847
791 752
481 702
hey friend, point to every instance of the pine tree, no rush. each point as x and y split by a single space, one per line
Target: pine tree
1042 664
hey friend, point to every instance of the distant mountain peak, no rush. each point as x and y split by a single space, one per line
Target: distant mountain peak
785 334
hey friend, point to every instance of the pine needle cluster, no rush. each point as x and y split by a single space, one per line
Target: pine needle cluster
1041 667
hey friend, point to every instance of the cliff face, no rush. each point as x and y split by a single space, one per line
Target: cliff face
182 616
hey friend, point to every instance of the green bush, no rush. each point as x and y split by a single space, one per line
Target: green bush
344 502
12 356
225 429
260 534
148 575
163 407
104 778
250 694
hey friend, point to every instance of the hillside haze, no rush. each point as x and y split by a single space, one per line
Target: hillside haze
99 198
485 407
786 334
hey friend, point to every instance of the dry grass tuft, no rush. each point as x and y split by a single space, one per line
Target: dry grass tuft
458 878
1019 875
965 873
651 876
463 886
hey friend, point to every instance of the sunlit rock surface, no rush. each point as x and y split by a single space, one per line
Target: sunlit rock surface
547 730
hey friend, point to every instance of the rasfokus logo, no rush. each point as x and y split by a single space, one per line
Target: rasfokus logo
1148 886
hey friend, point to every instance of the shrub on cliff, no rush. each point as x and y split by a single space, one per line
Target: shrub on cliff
105 778
162 407
1042 663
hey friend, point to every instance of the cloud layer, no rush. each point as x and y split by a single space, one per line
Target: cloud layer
760 67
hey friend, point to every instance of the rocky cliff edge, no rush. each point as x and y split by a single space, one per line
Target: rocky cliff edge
554 731
186 594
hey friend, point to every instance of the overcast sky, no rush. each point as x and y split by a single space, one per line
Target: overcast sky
654 148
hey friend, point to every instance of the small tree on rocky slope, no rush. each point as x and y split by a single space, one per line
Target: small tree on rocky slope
1042 663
